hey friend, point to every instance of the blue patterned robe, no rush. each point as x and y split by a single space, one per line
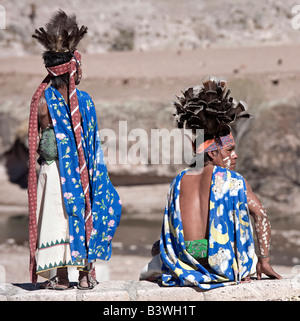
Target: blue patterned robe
105 201
231 247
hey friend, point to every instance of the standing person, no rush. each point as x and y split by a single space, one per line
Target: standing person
74 209
206 237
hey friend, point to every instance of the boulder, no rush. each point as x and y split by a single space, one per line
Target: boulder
269 157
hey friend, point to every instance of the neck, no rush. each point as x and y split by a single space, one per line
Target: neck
65 93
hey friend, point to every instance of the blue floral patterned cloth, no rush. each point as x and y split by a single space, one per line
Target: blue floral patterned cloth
105 201
230 245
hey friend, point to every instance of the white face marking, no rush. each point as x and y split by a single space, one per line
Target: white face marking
227 162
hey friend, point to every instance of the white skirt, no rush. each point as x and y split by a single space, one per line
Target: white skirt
52 223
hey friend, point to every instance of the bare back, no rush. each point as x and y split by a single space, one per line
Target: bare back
194 203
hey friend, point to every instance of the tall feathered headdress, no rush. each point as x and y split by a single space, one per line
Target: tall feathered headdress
62 33
208 107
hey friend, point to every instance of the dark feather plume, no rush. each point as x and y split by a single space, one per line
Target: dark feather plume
61 34
209 107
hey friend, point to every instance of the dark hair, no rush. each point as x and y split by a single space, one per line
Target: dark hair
198 141
197 159
51 59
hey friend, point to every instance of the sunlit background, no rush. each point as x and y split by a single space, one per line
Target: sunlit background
136 57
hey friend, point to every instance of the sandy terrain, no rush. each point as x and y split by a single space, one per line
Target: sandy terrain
139 76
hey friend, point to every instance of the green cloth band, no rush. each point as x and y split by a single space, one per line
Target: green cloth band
198 249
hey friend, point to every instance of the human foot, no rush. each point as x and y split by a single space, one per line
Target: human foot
56 283
85 281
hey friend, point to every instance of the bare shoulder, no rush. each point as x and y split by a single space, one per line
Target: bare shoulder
248 186
42 105
197 181
207 172
253 201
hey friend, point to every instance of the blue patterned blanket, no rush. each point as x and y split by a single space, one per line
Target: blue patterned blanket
231 248
105 201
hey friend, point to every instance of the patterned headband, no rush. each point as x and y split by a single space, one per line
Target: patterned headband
67 67
71 68
215 144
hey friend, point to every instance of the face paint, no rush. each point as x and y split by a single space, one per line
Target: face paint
227 162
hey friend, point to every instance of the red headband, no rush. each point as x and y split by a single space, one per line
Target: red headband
70 66
216 143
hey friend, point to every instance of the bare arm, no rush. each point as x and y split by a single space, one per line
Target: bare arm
261 223
263 233
43 112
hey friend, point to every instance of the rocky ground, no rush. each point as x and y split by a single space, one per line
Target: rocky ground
144 25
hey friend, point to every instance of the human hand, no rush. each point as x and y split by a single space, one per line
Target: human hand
263 266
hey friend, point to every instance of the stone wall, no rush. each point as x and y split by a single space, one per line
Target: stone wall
286 289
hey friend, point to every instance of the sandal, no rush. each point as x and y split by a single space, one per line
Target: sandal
88 279
53 284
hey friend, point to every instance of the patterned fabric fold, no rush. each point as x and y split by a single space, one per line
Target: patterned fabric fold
105 202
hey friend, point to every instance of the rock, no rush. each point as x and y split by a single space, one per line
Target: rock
269 158
8 130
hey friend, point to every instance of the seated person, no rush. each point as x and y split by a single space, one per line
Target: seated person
206 238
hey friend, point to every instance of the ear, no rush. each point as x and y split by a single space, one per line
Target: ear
212 155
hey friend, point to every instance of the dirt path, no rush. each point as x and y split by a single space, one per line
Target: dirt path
160 75
168 64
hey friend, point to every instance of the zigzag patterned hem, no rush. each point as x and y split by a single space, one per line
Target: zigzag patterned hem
55 265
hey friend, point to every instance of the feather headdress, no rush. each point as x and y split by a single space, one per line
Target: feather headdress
61 34
208 107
